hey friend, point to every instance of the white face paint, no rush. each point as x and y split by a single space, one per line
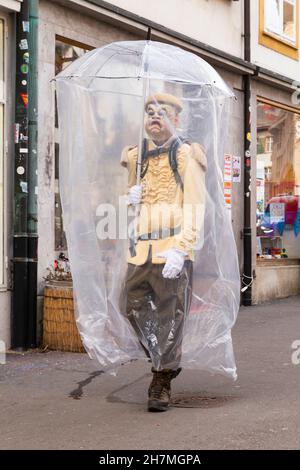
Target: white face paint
160 121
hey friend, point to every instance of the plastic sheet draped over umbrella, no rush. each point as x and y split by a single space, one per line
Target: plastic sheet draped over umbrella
101 105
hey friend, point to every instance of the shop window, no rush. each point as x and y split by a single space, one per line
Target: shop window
2 149
66 51
278 182
279 26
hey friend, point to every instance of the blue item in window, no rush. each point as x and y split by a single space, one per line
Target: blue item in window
297 223
280 227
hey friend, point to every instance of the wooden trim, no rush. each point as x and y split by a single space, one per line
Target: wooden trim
71 42
276 104
277 44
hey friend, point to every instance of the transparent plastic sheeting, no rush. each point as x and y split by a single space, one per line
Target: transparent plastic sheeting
121 109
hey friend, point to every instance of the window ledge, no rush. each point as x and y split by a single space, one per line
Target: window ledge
281 40
278 262
279 45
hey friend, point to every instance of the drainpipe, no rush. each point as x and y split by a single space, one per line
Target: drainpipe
247 276
25 181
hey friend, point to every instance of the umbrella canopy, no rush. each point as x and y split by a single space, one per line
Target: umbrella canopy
145 59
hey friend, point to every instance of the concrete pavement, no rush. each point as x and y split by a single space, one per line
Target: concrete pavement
57 400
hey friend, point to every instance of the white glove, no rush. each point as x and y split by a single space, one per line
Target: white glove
135 194
174 262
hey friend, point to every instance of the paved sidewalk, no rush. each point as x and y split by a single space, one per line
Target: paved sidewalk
59 400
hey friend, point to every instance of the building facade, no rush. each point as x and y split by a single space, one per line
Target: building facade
255 47
276 141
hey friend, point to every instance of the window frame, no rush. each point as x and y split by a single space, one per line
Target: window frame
273 41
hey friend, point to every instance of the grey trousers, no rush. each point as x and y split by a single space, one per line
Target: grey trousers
157 308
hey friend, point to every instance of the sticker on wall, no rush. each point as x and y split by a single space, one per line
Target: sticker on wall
248 158
24 97
25 25
20 170
227 193
26 57
227 179
24 186
236 169
24 68
23 44
227 167
16 132
23 137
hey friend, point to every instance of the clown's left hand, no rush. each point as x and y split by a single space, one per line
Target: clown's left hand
174 262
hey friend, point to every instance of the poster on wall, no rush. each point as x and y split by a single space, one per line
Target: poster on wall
236 169
227 179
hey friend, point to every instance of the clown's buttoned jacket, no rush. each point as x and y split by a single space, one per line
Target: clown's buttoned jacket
170 214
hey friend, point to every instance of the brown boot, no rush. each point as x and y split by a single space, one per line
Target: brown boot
160 389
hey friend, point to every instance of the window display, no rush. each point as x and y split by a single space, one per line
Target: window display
277 182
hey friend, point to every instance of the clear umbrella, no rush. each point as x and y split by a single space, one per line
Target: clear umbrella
152 252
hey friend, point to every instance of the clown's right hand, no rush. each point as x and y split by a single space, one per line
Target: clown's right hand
135 194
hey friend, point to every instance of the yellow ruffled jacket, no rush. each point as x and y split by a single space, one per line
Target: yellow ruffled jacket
164 205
